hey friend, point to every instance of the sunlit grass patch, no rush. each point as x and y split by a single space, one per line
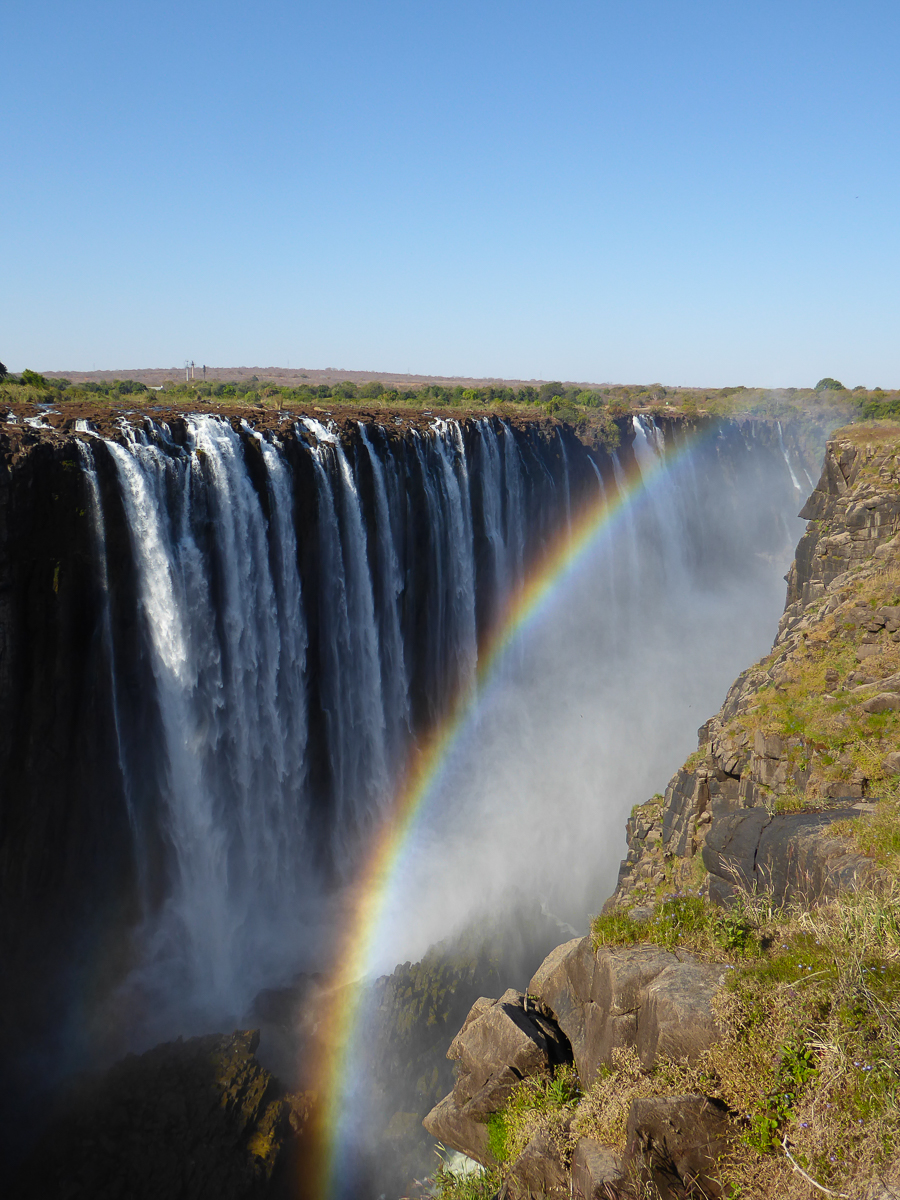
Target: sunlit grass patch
537 1105
690 922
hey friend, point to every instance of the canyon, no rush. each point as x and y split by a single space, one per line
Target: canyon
223 635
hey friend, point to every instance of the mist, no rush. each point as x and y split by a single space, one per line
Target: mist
283 615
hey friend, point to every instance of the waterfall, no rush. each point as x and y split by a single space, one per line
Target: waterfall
492 510
794 480
600 484
513 475
352 698
98 526
567 491
395 680
282 616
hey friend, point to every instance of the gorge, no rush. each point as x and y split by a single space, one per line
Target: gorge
223 637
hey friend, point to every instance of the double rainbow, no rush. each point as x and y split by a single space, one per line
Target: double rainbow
379 880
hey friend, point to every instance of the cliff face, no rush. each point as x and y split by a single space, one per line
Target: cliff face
801 740
755 905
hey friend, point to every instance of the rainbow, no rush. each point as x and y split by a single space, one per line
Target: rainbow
374 890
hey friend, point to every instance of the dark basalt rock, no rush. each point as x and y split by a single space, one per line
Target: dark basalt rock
595 1170
501 1042
539 1171
791 855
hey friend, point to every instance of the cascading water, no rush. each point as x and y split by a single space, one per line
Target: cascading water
794 480
282 614
284 700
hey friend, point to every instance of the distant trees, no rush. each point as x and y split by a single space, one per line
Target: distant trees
829 385
34 380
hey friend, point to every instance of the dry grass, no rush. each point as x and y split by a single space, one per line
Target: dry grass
824 724
810 1053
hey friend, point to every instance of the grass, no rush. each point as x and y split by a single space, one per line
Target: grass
811 1045
826 731
537 1105
686 921
448 1184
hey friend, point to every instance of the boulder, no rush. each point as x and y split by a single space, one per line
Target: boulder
677 1017
594 1166
676 1141
501 1042
618 996
883 702
538 1172
448 1125
791 855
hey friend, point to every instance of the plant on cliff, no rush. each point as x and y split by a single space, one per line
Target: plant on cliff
448 1184
536 1105
809 1061
812 692
688 921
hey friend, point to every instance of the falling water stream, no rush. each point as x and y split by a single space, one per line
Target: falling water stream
308 603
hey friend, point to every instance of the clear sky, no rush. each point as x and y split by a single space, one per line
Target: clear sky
690 191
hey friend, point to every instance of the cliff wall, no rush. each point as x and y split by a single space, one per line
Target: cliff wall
805 736
143 561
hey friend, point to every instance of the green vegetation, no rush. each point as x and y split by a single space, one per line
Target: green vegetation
590 406
448 1184
810 695
537 1104
684 920
810 1054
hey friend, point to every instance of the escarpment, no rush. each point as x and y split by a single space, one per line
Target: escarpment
798 744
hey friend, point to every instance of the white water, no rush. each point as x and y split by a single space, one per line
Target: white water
285 708
794 480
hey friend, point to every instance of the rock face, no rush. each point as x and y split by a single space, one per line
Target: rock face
584 1005
197 1119
501 1042
674 1141
729 805
754 810
615 997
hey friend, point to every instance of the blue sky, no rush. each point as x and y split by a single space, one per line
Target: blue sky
691 192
